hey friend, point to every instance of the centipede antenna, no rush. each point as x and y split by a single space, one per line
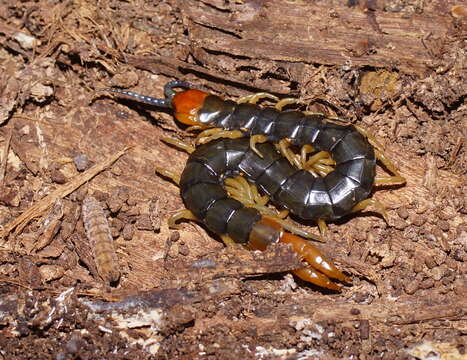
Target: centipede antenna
171 85
165 103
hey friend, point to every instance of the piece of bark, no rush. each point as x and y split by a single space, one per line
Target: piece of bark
239 262
314 32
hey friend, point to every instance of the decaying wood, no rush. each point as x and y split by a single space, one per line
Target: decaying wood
42 205
50 225
238 262
388 313
84 251
384 313
313 32
194 294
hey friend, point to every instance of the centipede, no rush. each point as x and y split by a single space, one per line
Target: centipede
243 146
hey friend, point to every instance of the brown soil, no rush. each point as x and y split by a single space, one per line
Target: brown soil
396 68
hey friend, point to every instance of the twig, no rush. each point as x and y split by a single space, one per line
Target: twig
6 148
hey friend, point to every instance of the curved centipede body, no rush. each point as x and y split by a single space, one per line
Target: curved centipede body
201 186
330 197
326 198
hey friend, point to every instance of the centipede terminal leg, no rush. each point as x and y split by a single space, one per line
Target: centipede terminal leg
296 230
314 277
314 257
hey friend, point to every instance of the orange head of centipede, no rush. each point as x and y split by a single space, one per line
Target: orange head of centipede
186 105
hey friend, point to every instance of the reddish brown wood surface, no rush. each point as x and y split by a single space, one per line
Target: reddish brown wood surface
318 32
396 67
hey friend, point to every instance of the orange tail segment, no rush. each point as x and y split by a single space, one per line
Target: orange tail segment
267 231
321 268
315 277
186 104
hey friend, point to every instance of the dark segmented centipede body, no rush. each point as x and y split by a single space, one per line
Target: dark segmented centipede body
321 198
204 195
325 198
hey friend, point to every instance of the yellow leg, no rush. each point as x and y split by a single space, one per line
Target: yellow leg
179 144
322 170
260 199
217 133
169 174
389 180
304 151
379 208
257 139
296 230
323 228
325 116
287 101
194 128
254 98
396 179
239 189
371 138
312 113
284 148
179 215
320 163
281 103
227 240
322 157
